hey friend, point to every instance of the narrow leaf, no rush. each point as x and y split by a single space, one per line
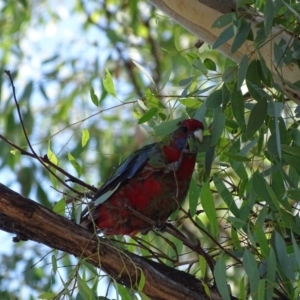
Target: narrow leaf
214 100
220 277
208 205
148 115
85 137
251 269
144 71
84 290
218 125
268 16
198 64
94 97
194 192
60 207
226 195
51 155
257 117
237 103
242 71
109 84
271 273
224 37
74 163
241 36
223 20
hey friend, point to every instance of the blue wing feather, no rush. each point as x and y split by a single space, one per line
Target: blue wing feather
126 170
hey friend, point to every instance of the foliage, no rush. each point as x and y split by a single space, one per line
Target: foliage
130 65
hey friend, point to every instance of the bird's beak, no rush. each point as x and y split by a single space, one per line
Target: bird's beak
199 135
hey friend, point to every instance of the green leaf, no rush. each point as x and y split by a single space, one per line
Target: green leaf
152 101
167 127
261 289
51 155
190 102
148 115
75 164
241 36
290 8
257 117
166 77
194 193
60 207
84 290
282 257
144 71
210 64
225 96
271 273
236 157
209 158
220 277
230 74
251 269
214 100
264 191
242 71
198 64
94 97
223 20
268 16
54 263
142 281
218 126
262 241
295 151
224 37
226 195
237 103
109 84
46 296
294 194
208 205
85 137
253 80
296 250
186 81
177 35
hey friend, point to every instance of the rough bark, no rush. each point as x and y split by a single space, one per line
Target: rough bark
31 221
197 16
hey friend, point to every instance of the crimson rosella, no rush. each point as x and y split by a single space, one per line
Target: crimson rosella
149 185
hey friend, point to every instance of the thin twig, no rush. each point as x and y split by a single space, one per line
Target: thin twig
28 141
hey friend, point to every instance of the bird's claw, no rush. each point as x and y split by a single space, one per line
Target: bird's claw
160 226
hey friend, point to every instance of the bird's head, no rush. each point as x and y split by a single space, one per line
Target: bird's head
188 129
192 127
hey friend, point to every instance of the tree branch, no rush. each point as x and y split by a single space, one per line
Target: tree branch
31 221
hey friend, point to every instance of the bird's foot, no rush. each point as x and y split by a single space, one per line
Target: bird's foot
160 226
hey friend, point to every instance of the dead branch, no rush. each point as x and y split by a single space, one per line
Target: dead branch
31 221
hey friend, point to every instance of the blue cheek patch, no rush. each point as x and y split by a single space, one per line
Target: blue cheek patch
180 143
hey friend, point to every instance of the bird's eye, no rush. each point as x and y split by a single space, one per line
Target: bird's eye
184 129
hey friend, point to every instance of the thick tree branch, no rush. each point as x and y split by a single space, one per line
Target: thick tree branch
31 221
197 16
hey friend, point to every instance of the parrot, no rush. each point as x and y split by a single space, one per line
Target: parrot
147 186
